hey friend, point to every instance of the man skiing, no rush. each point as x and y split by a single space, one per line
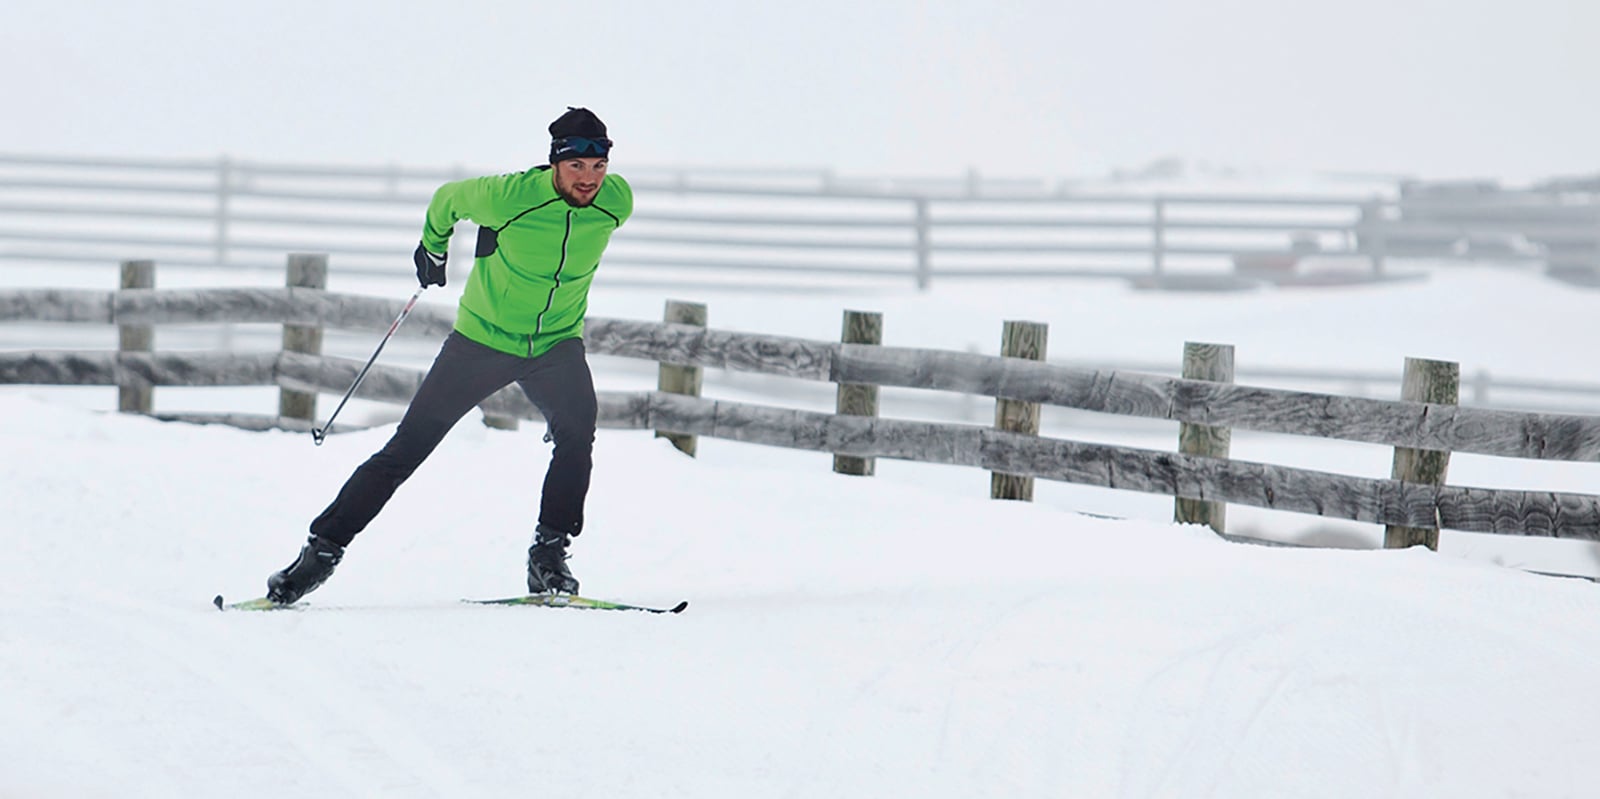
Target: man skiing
540 237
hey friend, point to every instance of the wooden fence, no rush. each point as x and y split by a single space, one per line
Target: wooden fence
782 226
1202 472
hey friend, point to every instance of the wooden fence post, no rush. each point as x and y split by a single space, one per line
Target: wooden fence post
1212 362
682 379
309 271
1019 340
1425 381
859 399
134 393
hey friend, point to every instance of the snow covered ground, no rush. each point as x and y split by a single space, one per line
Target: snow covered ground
894 636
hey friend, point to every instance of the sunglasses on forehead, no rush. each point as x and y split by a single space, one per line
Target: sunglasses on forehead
582 145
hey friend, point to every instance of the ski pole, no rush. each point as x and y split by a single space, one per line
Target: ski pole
319 435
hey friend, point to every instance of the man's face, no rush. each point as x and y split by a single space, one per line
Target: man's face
577 180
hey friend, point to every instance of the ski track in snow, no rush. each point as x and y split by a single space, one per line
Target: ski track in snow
336 735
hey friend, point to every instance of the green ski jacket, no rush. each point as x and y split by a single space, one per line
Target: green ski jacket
536 255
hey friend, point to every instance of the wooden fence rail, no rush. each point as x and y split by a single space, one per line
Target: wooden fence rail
1215 405
1377 501
1544 436
369 314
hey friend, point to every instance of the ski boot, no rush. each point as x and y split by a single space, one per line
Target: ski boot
547 564
312 568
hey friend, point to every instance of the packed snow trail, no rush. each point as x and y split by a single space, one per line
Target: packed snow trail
848 636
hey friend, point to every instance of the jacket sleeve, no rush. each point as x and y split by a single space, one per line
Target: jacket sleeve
624 208
479 200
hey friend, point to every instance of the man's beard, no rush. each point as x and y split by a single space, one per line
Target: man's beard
568 194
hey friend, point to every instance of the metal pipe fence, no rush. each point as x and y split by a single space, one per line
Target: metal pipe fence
791 224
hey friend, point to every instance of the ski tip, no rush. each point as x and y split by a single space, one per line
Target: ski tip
680 607
218 602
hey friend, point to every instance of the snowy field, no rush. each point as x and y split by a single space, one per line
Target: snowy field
894 636
897 636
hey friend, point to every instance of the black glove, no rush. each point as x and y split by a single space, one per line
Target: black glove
430 266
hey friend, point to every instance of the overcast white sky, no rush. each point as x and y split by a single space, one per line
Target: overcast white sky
1058 88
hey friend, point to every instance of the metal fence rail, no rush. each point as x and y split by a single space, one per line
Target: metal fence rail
792 224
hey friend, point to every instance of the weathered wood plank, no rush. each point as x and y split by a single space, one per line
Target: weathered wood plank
631 338
1571 437
200 368
56 305
59 368
290 305
794 357
790 427
297 371
99 368
624 410
687 345
1390 423
353 312
1376 501
207 306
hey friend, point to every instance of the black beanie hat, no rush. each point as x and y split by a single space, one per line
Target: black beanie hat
577 122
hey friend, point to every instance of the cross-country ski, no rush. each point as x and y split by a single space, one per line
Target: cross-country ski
570 601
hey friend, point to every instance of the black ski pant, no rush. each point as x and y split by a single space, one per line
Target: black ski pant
464 374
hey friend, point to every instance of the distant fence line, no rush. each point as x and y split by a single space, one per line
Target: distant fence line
782 224
1202 472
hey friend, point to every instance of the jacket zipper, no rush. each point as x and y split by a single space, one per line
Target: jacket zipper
538 325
